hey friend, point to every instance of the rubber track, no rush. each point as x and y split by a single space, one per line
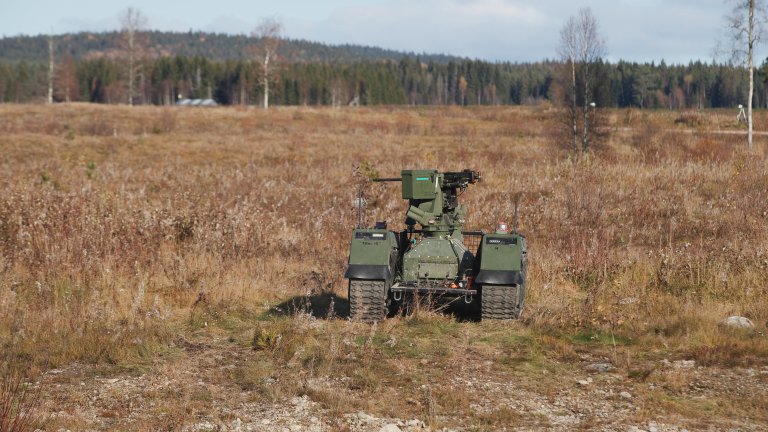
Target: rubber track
499 302
367 300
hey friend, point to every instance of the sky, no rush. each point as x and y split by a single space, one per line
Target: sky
677 31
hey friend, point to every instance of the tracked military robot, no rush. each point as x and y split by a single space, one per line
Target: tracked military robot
430 256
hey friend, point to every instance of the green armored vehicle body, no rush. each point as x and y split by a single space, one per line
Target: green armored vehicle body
430 256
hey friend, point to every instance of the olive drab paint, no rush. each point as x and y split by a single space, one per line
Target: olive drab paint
430 256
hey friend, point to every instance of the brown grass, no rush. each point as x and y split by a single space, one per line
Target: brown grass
121 228
19 403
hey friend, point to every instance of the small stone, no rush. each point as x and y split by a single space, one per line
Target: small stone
600 367
390 428
684 364
628 300
266 421
625 395
365 417
739 322
206 425
584 382
237 425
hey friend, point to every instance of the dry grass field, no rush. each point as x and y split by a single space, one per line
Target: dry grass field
181 269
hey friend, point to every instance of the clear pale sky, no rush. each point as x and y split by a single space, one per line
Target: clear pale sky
506 30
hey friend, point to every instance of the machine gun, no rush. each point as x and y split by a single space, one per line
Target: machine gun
458 181
433 198
461 179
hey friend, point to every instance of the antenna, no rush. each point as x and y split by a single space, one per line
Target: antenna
359 204
516 219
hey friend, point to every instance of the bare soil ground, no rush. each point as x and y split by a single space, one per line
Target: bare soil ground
197 387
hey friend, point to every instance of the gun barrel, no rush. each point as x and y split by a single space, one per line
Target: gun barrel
387 179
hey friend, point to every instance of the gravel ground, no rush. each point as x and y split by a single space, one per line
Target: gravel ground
187 393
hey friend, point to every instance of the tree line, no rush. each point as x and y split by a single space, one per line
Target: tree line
411 80
213 46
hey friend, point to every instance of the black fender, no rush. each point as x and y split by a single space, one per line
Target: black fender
500 277
368 271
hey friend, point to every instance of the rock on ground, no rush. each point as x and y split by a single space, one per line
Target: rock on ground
738 322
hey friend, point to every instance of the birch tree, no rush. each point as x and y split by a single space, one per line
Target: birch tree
746 24
269 34
51 67
133 22
580 49
568 51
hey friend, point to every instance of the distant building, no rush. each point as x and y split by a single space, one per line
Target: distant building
197 102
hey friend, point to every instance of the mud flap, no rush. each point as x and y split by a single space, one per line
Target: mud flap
500 277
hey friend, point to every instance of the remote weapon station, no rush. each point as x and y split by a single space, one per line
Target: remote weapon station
430 256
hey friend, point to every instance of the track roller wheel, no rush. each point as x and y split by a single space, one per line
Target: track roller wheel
500 302
367 300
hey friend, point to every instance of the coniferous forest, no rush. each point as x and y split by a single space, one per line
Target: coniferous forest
90 68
